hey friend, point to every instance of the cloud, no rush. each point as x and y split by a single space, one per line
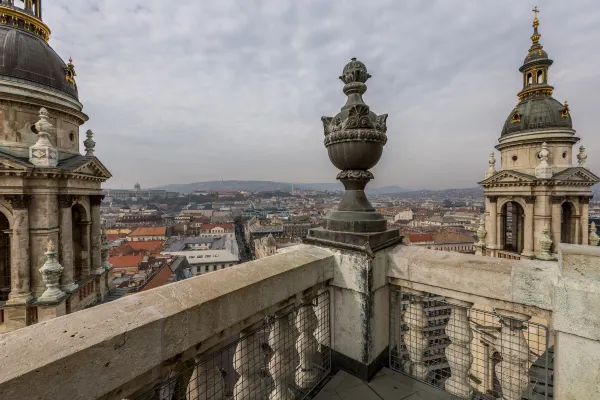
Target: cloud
184 91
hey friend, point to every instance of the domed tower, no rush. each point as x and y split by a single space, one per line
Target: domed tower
50 193
538 198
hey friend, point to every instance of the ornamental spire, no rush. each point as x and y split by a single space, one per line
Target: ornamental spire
535 38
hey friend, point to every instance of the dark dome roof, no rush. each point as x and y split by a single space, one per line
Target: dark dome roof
26 56
536 54
540 113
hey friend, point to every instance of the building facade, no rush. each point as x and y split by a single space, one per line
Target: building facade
540 195
50 192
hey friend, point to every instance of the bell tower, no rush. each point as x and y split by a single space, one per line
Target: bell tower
50 193
539 196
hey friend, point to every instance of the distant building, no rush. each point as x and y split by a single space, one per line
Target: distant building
153 233
138 193
205 254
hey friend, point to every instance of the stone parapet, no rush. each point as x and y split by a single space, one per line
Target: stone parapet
127 343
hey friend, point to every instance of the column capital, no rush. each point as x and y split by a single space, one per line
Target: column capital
585 199
96 200
529 199
19 201
65 200
558 199
493 199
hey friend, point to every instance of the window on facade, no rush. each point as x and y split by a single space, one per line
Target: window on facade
529 79
540 77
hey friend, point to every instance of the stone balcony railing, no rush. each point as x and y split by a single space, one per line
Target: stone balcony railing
273 328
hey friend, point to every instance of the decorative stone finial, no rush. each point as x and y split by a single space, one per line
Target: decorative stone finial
492 166
105 252
594 238
354 139
42 153
89 143
545 244
481 234
51 272
70 72
543 170
582 158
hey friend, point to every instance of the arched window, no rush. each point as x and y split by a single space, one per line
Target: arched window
540 77
4 259
529 79
513 218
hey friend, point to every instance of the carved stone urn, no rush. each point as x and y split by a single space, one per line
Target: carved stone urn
354 139
51 272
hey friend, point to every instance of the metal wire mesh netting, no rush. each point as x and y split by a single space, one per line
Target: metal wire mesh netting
469 352
286 357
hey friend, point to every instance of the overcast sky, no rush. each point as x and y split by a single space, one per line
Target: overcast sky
194 90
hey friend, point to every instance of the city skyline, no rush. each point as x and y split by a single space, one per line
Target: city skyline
238 91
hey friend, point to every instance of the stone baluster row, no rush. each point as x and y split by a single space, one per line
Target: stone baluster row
512 371
294 361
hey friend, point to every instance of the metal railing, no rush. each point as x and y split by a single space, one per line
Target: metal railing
469 352
286 357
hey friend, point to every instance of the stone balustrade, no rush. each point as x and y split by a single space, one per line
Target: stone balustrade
464 310
120 348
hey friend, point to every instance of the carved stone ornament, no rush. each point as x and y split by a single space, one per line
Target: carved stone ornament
19 201
51 272
545 244
594 239
105 252
493 199
65 200
89 143
585 199
481 232
96 200
543 170
529 199
356 175
558 199
42 153
491 166
582 158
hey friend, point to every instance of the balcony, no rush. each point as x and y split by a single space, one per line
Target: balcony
318 322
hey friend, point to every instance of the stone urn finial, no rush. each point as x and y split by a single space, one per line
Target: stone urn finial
491 166
582 158
543 170
42 153
594 239
354 139
105 252
545 244
481 232
51 272
89 143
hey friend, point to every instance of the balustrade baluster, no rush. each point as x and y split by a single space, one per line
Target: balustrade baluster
415 340
283 360
512 370
307 373
247 362
206 382
458 353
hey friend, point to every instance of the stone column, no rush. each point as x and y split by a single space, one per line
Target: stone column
513 369
556 216
493 231
458 351
585 219
95 235
86 264
528 229
20 291
66 242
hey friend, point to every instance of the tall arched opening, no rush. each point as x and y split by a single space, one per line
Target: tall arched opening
568 231
5 259
78 219
513 224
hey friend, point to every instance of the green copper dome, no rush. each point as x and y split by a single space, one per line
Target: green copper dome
543 113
